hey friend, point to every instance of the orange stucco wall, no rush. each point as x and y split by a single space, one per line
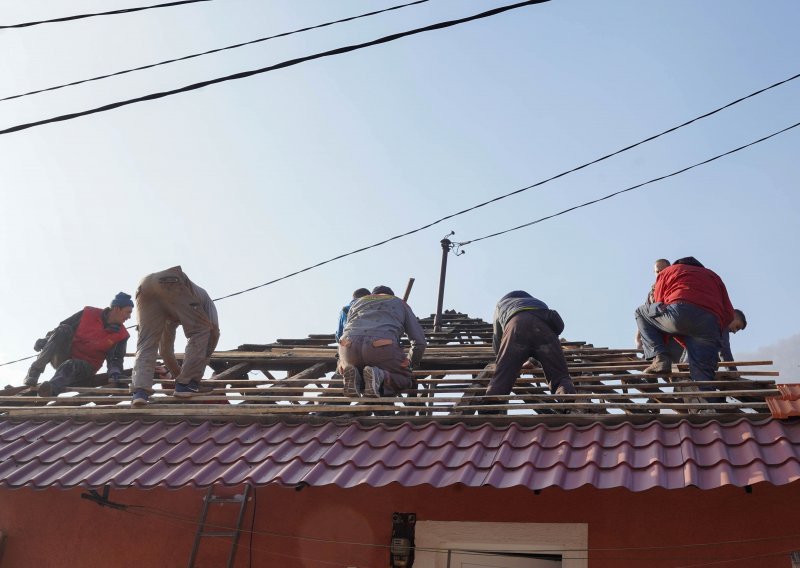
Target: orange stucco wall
56 528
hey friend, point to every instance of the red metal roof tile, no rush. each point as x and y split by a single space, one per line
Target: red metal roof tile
790 392
638 457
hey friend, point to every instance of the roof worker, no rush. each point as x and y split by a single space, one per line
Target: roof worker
166 300
692 303
360 293
525 327
371 359
80 344
658 266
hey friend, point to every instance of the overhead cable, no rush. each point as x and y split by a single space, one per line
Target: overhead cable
164 514
637 186
284 64
111 13
186 57
504 196
440 220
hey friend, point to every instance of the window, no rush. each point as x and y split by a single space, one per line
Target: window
526 545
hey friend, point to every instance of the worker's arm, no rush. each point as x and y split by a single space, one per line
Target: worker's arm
498 332
167 348
342 320
417 336
725 353
73 321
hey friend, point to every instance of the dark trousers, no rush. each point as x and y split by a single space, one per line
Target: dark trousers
526 335
698 328
56 351
386 354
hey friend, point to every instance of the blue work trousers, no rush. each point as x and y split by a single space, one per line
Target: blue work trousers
698 328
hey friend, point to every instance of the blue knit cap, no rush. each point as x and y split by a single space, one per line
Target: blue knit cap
122 300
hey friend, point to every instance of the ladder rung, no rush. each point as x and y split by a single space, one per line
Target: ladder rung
229 534
235 499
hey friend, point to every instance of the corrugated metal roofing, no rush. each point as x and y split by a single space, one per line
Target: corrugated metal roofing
638 457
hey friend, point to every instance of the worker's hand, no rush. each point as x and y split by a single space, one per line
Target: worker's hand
163 373
39 345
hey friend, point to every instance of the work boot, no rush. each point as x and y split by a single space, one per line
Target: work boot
373 381
568 388
661 365
46 389
352 381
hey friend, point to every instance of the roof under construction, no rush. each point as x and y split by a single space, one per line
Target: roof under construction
293 379
277 416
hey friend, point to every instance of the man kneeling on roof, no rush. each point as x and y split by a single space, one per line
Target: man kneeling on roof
525 327
371 359
80 344
691 303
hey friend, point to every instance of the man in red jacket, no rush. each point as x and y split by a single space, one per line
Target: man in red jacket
80 344
691 303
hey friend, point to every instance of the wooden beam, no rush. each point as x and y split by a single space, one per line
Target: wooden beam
233 372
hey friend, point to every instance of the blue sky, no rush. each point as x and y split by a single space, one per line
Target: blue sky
246 181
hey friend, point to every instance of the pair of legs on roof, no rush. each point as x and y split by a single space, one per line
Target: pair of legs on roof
69 372
374 366
699 330
163 301
527 335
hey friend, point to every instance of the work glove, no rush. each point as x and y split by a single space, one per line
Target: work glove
39 345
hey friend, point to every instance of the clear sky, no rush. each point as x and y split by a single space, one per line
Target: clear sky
246 181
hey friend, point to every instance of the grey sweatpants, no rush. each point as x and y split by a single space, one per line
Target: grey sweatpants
164 299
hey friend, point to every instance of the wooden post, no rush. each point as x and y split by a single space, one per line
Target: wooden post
446 246
407 293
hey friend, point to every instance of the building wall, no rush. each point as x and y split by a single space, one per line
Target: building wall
56 528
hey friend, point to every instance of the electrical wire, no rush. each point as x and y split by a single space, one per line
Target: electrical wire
506 195
163 513
282 65
111 13
633 187
192 56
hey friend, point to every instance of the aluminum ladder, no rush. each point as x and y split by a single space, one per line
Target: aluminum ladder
201 532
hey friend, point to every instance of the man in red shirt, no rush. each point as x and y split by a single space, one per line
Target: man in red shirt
691 302
80 344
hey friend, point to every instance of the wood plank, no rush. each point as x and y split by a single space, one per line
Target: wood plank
233 372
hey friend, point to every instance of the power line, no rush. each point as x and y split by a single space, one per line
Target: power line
483 204
111 13
506 195
637 186
168 61
282 65
166 514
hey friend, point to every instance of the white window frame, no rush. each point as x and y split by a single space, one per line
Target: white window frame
570 540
